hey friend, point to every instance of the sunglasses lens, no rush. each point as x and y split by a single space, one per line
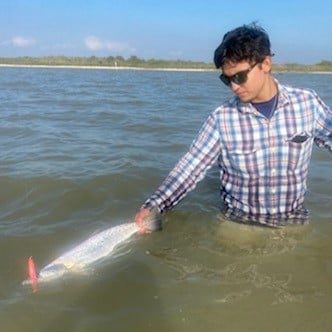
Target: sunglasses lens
240 77
226 80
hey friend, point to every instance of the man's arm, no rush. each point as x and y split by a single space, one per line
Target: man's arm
323 135
184 177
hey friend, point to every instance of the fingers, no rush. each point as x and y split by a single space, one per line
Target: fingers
143 230
148 220
139 219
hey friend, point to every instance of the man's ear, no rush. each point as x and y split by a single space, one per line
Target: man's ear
267 64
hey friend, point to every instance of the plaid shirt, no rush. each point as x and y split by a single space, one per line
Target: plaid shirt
263 162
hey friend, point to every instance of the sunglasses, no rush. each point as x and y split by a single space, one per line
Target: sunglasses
239 78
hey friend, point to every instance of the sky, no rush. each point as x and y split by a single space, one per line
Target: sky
300 31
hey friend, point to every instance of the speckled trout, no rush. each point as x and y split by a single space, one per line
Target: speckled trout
81 257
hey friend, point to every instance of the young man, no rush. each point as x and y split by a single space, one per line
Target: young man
262 140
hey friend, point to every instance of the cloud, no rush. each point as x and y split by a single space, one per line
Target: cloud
18 41
22 42
96 44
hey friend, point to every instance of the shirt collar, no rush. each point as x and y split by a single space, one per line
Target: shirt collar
283 99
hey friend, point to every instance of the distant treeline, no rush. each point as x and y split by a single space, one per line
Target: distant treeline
111 61
134 61
323 66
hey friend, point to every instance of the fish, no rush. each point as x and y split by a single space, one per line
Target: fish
81 257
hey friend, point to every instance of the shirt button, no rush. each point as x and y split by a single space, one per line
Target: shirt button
274 210
274 190
273 171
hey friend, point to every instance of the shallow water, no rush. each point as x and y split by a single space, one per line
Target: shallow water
82 149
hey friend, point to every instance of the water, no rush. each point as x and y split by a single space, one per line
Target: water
82 149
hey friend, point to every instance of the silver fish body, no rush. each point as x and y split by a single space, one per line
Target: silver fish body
88 252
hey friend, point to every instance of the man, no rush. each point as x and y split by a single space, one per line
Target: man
262 140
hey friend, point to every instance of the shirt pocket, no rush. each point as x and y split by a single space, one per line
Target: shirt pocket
298 147
249 163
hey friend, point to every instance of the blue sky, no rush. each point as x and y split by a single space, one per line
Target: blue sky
300 31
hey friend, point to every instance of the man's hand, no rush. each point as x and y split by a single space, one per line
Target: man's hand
140 217
148 220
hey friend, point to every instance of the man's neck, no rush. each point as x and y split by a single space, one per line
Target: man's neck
269 91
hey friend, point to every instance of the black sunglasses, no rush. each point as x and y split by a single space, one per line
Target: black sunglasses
239 78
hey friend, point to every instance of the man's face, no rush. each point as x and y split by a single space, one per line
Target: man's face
247 80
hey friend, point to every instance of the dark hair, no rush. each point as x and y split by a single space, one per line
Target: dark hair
248 42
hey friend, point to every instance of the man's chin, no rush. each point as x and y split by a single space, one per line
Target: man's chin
244 98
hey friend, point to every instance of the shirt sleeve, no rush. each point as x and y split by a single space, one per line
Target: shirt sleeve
323 134
190 169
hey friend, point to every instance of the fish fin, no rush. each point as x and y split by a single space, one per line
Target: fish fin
32 274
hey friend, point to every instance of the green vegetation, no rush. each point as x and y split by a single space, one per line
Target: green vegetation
323 66
110 61
135 62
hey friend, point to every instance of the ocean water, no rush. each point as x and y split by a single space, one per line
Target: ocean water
81 149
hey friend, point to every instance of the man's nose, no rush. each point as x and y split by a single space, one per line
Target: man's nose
234 86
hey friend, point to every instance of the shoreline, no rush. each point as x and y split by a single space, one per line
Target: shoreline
103 67
146 69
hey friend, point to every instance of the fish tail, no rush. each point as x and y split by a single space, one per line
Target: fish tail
32 274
